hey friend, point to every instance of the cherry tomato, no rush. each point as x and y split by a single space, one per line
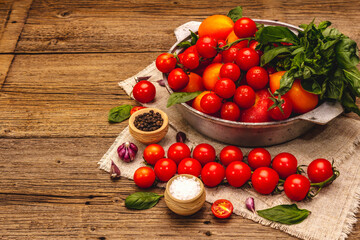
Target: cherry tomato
222 208
217 58
165 169
257 78
190 60
144 91
253 45
178 79
229 56
144 177
204 153
206 47
211 75
264 180
285 164
195 83
212 174
165 62
244 27
178 151
230 154
296 187
244 96
153 153
231 71
225 88
319 170
210 103
237 173
196 103
221 43
247 58
276 114
230 111
259 157
189 166
134 109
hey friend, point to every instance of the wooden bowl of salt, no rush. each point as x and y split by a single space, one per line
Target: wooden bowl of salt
185 194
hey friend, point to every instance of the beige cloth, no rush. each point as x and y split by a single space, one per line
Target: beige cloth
332 211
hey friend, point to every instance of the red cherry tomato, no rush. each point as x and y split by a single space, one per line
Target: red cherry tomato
153 153
230 111
178 151
296 187
253 45
319 170
189 166
257 78
244 27
264 180
178 79
204 153
237 173
231 71
212 174
276 114
229 56
222 208
165 169
190 60
210 103
165 62
244 96
144 177
247 58
144 91
259 157
217 58
230 154
206 47
225 88
221 43
134 109
285 164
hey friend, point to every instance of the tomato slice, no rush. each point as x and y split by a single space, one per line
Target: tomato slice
134 109
222 208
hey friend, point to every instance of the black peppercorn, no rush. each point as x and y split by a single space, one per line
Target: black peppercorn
148 121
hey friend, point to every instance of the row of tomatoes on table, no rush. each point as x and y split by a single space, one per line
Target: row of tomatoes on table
264 173
227 70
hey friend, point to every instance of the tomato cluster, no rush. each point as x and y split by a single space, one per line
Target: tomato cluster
265 174
223 62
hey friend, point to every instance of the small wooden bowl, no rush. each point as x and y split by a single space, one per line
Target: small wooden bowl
185 207
152 136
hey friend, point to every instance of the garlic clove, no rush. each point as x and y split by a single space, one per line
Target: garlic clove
250 204
114 171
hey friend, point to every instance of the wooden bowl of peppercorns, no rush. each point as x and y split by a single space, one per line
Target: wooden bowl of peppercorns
148 125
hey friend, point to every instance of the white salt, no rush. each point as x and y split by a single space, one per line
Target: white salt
184 188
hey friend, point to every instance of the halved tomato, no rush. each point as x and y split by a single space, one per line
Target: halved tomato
222 208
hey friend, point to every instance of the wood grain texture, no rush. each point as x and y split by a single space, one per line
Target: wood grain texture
62 61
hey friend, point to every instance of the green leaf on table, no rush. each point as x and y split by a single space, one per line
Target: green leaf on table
119 114
273 34
235 13
347 53
285 214
142 200
181 97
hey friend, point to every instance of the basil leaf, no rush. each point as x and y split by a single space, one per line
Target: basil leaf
332 33
273 34
335 85
286 82
181 97
235 13
142 200
312 86
272 53
352 76
347 53
119 114
323 25
184 45
285 214
194 38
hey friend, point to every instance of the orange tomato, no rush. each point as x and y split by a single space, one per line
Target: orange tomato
211 75
195 83
302 100
216 26
197 100
232 37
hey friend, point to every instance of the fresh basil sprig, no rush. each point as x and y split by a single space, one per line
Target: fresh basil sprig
235 13
142 200
181 97
285 214
119 114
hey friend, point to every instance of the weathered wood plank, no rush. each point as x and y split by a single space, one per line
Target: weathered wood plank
138 26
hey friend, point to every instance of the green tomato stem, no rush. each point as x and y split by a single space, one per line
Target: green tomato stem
229 45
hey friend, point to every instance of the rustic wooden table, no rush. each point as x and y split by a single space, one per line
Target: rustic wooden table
60 62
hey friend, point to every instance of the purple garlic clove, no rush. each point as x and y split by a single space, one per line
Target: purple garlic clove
127 151
250 204
114 171
161 82
180 137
